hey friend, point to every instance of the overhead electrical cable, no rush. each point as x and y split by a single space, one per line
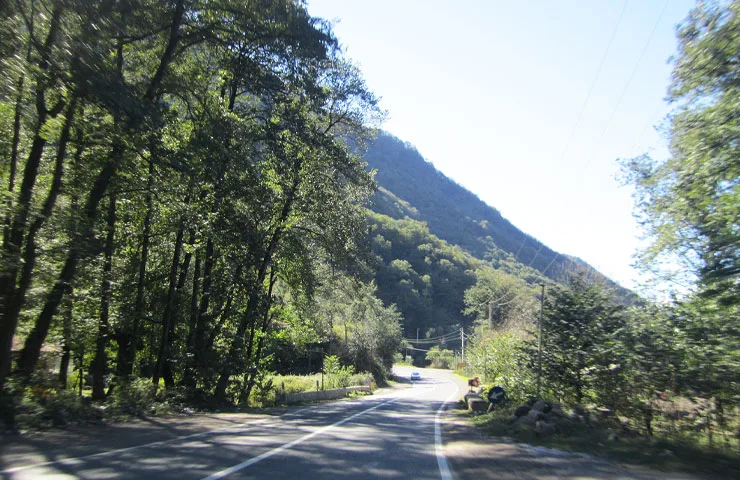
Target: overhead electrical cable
626 87
594 81
536 255
583 108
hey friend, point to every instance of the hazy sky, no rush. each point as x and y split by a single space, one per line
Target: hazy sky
528 103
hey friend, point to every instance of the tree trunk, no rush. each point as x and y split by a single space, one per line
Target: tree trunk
162 356
202 317
128 334
190 364
29 251
32 346
250 316
11 252
15 142
261 342
67 341
100 361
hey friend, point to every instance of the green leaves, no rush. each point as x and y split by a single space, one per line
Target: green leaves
690 203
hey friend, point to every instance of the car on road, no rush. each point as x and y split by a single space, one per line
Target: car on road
415 376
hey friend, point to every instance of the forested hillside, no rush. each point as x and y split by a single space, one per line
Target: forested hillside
426 277
411 187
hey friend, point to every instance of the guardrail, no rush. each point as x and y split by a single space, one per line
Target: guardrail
332 394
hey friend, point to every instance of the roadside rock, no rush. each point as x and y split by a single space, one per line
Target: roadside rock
547 414
535 415
477 404
522 410
470 395
542 405
543 428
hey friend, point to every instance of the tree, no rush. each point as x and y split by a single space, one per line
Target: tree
498 299
689 204
440 357
580 350
217 134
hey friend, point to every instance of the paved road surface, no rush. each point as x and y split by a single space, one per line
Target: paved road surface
395 434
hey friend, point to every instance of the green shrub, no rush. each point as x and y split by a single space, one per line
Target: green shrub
137 397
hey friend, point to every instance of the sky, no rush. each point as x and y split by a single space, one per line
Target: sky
528 104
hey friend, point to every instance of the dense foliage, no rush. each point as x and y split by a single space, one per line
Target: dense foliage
689 204
174 190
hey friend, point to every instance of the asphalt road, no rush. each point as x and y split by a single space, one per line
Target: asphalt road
395 434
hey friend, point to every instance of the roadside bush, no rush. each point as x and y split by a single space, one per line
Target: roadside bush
137 397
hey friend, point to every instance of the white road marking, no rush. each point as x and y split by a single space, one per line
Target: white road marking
289 445
444 468
72 461
76 461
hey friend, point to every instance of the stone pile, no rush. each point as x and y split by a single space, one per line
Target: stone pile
546 416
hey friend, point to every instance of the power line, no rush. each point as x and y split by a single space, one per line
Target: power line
536 255
520 248
439 339
593 82
580 115
550 264
626 87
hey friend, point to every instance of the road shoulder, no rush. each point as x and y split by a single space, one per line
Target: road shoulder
474 455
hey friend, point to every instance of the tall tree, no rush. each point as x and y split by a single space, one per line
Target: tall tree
689 204
580 325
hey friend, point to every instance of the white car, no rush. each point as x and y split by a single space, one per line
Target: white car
415 376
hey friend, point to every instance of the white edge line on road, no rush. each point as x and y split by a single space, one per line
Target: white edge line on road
289 445
444 468
77 460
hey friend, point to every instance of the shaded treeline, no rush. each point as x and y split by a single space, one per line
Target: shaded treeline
171 175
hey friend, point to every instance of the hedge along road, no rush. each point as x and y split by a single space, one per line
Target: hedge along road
392 435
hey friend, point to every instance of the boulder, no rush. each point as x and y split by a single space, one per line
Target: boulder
477 404
535 415
563 424
542 406
526 420
543 428
555 409
470 395
522 410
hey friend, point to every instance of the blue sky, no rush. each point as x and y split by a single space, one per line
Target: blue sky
528 104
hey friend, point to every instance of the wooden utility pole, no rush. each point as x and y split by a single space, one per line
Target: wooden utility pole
539 342
462 341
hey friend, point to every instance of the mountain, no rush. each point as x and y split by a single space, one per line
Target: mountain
421 217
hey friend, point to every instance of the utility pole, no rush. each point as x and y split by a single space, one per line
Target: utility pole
490 314
417 336
462 342
539 341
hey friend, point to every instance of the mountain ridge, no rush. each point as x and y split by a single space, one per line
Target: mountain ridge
410 186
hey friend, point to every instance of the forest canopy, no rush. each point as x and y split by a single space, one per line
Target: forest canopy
175 187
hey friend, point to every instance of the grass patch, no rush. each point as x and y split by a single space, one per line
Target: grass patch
666 454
